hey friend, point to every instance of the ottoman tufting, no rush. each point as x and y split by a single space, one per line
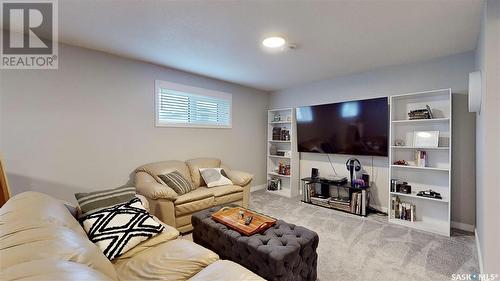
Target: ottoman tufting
282 252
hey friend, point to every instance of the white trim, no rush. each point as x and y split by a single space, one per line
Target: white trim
479 255
197 126
193 91
257 187
421 93
280 109
462 226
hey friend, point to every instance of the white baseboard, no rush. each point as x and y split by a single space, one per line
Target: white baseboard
479 255
257 187
462 226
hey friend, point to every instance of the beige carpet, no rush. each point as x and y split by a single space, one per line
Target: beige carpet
356 248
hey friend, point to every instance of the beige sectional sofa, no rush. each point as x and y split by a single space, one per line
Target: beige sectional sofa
176 210
41 240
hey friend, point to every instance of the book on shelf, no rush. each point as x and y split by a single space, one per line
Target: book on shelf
339 205
393 206
353 202
358 211
402 210
365 200
356 203
420 158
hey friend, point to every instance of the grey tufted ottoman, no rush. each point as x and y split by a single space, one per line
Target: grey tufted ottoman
282 252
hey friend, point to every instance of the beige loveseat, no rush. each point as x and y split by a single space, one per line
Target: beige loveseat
41 240
176 210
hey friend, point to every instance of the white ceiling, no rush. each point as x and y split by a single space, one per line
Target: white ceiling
221 39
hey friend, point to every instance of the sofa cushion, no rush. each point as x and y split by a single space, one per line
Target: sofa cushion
165 167
39 207
177 182
195 165
90 202
228 198
118 229
219 191
195 195
169 233
51 269
174 260
28 240
204 197
194 206
224 270
214 177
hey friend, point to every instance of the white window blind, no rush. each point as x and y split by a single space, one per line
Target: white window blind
181 105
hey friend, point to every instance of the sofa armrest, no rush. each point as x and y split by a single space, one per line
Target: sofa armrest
146 185
239 178
157 191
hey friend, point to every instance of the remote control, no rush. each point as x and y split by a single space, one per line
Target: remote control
248 220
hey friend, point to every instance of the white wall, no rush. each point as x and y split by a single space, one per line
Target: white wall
487 139
448 72
89 124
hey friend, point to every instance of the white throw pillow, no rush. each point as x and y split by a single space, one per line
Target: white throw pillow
214 177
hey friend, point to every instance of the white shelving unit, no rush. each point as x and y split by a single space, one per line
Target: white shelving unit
289 183
432 215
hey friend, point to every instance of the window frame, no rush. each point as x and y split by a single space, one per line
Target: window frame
161 84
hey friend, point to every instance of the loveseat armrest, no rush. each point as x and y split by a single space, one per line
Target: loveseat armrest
147 186
239 178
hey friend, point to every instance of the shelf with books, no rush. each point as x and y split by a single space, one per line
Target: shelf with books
353 200
277 156
421 148
414 195
428 167
433 120
278 175
281 139
420 168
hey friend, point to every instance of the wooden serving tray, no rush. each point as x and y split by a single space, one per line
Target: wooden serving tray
230 217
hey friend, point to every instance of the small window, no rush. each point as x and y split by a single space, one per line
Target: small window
180 105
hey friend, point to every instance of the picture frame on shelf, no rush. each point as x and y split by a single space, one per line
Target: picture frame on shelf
426 138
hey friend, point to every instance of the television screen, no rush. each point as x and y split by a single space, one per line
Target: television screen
356 127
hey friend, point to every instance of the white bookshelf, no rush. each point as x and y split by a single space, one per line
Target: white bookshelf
432 215
289 183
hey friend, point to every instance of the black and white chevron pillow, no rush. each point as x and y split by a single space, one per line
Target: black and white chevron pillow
117 229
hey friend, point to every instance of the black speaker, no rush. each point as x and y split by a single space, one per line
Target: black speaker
366 179
314 173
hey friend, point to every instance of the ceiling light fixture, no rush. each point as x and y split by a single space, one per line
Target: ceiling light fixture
274 42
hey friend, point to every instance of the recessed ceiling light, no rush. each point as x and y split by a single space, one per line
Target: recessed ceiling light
274 42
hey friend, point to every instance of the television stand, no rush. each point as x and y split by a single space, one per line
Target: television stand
354 199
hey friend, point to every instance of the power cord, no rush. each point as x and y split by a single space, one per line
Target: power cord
331 164
373 210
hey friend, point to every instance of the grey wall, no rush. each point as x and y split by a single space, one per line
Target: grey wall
448 72
90 123
487 136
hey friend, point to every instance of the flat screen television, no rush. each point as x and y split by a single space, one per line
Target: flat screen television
355 127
